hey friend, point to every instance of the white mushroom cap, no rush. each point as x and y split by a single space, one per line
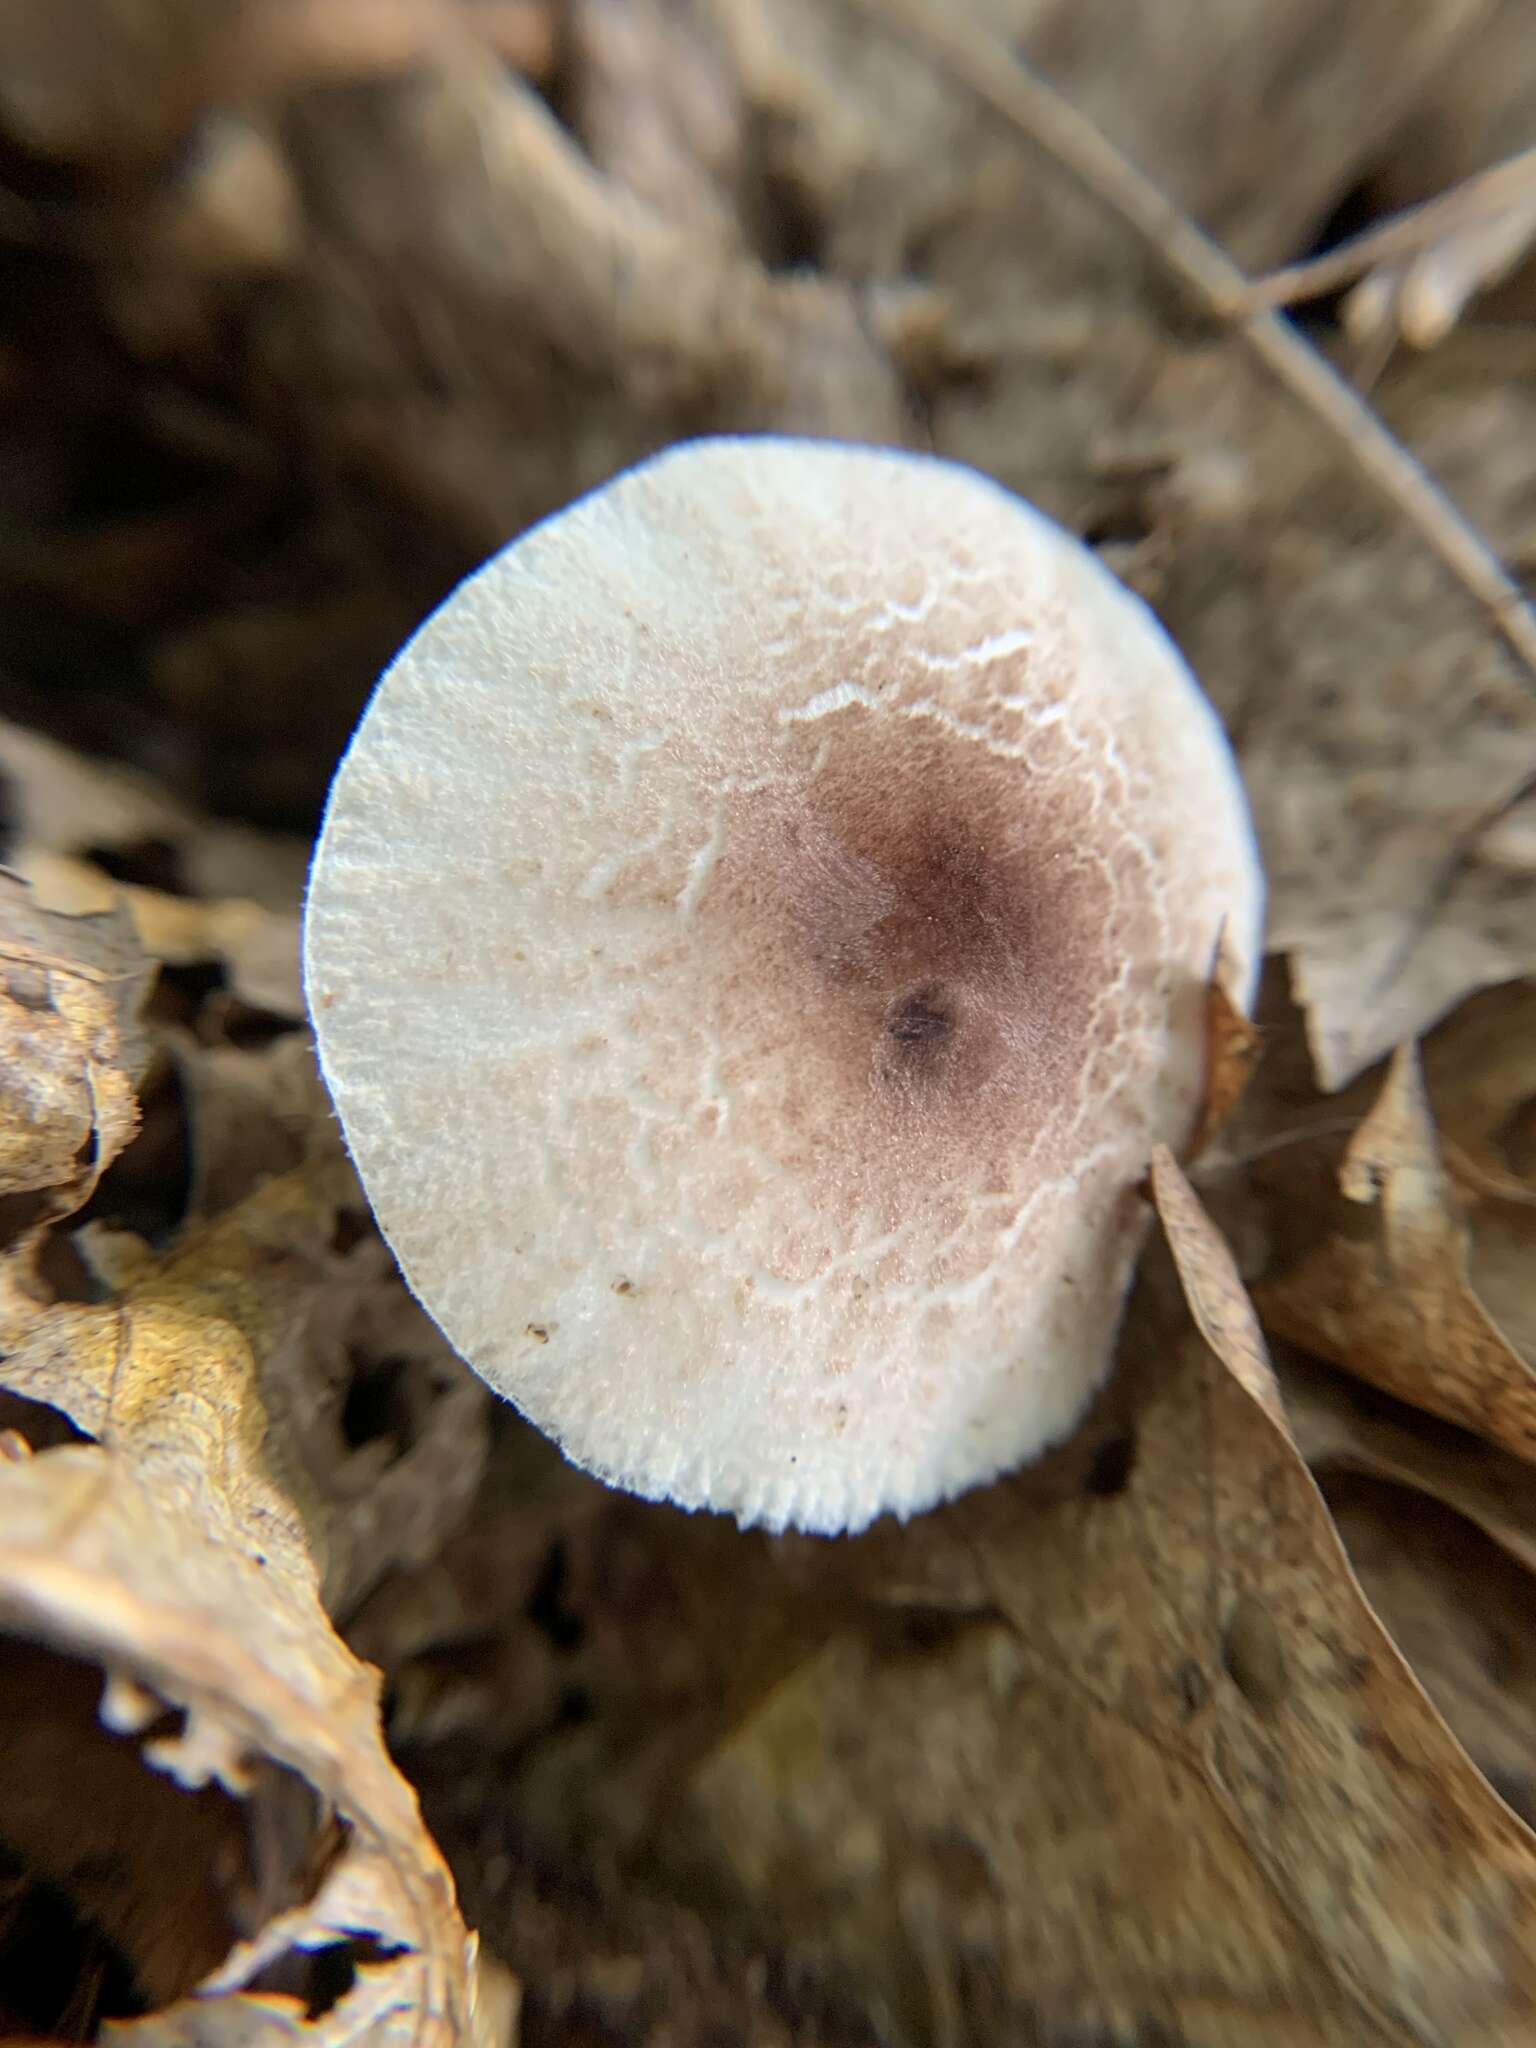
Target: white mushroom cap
759 933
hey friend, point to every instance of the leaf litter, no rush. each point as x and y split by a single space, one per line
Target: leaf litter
1124 1748
1240 1817
167 1646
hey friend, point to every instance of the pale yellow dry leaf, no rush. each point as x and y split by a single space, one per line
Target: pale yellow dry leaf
378 2009
170 1554
70 1046
258 947
1388 1294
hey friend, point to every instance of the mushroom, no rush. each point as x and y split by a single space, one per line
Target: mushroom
759 932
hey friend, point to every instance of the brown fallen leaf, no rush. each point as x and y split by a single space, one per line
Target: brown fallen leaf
168 1558
1480 1071
70 1048
1176 1782
1342 1428
1277 1165
1296 629
1232 1049
1462 1612
1387 1294
1213 1288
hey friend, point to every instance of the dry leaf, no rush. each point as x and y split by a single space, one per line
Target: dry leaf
1177 1782
259 948
251 1112
1114 1752
1232 1048
1339 1428
387 1425
58 803
168 1555
1480 1069
70 1047
1461 1612
1388 1295
1213 1287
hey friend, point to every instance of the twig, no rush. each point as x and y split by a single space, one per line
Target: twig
991 71
1405 235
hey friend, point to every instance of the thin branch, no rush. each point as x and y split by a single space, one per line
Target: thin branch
996 77
1406 235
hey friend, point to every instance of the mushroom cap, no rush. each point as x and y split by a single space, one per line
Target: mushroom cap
759 932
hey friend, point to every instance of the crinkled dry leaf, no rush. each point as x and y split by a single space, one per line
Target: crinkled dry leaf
169 1554
251 1112
259 948
159 1873
70 1046
1176 1781
1387 1293
1277 1165
386 1424
88 837
1179 1786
